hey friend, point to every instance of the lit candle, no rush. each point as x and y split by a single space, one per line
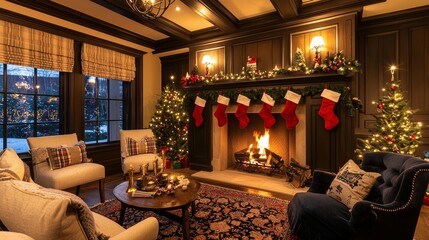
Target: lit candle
164 175
150 183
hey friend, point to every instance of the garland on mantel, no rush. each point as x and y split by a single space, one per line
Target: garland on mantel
349 103
333 63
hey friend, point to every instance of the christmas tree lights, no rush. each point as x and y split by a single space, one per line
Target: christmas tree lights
170 124
394 130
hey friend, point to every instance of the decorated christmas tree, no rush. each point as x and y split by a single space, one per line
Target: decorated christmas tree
394 130
299 61
170 125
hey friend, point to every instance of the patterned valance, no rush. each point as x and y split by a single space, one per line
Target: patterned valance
30 47
106 63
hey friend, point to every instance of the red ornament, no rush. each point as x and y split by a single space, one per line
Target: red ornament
380 106
393 87
412 137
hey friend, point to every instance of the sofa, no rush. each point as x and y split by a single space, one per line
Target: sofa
390 210
45 213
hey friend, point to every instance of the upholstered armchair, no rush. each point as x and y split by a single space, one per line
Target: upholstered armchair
74 175
390 210
30 211
138 147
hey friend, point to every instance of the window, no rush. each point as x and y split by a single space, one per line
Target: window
29 104
103 109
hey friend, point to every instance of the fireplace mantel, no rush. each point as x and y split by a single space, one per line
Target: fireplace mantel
324 149
298 79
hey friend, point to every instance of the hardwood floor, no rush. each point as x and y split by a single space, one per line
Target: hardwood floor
89 193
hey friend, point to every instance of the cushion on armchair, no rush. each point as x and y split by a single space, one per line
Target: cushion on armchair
11 165
351 184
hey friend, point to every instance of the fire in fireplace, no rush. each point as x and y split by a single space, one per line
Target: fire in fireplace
259 159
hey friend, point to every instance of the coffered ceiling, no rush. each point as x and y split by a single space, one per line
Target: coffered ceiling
188 22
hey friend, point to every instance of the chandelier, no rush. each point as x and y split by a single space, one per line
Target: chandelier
151 9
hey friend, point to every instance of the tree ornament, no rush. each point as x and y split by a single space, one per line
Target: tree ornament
326 111
265 113
413 138
288 113
223 103
393 87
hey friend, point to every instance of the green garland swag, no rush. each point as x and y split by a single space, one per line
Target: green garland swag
349 103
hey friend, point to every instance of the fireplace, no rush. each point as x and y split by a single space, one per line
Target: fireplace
229 139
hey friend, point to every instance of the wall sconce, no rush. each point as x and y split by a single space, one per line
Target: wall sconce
317 43
207 60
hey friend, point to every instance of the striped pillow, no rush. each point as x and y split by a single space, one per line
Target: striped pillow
135 147
82 146
64 156
150 143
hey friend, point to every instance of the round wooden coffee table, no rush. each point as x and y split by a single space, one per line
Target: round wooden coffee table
161 204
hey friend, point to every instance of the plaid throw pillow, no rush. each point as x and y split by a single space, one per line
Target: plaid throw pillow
64 156
150 144
82 146
135 147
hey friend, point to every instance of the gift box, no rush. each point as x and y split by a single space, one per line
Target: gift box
184 162
167 164
177 165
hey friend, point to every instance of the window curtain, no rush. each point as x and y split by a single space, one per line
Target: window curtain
106 63
30 47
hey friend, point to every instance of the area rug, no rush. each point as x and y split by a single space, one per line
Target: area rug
221 213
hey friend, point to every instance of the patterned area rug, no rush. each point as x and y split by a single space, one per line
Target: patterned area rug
221 213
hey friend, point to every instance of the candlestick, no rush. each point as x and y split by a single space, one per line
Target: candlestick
131 188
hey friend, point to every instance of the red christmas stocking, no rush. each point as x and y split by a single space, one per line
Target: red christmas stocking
241 113
326 111
222 103
288 113
198 110
265 113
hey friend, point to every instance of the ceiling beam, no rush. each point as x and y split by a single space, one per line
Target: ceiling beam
287 8
215 13
161 24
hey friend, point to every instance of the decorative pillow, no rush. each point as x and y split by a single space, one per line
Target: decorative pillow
150 144
351 184
39 155
82 146
135 147
64 156
10 161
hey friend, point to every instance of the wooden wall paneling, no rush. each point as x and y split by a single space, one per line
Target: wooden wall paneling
218 60
380 52
200 152
268 53
175 65
303 40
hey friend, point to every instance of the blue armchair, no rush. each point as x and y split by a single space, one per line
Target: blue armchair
390 211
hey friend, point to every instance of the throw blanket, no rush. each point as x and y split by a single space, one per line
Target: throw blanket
83 212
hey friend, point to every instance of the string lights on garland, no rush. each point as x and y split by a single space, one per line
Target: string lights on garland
394 131
333 63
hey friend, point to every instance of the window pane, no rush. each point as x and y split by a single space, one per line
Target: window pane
90 132
20 108
48 82
48 129
17 135
114 130
102 87
115 112
102 109
115 89
90 87
48 109
90 109
102 137
1 136
1 76
20 79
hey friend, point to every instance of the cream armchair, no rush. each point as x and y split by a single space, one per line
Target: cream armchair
67 177
140 159
45 213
